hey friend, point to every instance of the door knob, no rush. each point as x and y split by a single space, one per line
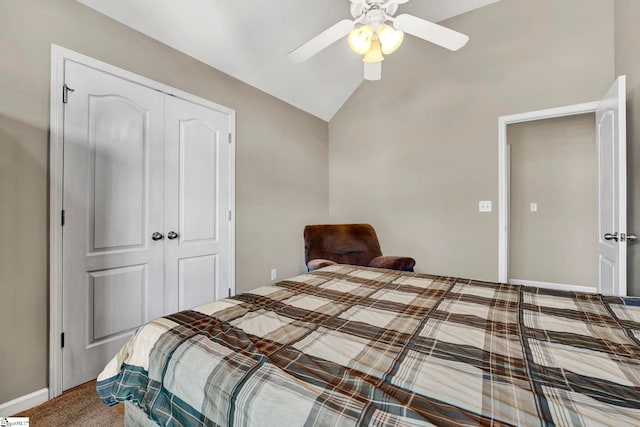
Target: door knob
156 236
609 236
172 235
631 237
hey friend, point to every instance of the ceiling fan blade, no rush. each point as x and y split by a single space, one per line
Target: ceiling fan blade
430 32
321 41
373 70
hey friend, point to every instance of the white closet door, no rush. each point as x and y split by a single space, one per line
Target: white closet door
197 189
112 269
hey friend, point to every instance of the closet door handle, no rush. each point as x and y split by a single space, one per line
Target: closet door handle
172 235
156 236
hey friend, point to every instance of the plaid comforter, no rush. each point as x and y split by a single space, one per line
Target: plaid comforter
358 346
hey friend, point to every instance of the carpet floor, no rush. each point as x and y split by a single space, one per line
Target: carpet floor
79 406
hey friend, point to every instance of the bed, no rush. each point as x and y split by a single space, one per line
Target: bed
348 345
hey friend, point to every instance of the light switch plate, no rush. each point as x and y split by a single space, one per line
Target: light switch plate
484 206
533 207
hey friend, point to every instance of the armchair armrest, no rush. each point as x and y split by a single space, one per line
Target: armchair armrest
401 263
315 264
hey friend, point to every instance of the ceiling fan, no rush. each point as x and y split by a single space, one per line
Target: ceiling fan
374 37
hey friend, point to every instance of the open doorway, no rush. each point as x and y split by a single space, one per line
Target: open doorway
611 191
539 120
553 202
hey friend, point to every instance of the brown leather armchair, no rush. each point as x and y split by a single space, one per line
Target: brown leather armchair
354 244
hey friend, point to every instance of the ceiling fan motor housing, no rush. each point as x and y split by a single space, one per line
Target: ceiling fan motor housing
361 9
375 17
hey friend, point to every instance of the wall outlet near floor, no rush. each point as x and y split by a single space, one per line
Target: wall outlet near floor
484 206
274 274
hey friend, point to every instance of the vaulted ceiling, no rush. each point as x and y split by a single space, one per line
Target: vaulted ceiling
250 39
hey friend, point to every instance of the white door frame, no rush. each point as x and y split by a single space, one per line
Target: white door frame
56 125
503 175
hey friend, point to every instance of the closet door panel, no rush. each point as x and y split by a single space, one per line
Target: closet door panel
117 167
194 270
198 181
197 165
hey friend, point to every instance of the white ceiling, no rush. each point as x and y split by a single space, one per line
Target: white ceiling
250 39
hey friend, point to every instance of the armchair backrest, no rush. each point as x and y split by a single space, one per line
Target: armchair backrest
355 244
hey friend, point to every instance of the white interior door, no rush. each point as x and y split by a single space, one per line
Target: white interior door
112 269
197 204
612 190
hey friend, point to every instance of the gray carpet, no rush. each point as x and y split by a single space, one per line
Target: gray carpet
79 406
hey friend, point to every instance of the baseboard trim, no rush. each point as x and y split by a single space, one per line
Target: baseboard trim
555 286
23 403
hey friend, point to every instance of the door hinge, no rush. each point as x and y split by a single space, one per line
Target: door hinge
62 217
62 340
65 93
229 294
229 138
229 215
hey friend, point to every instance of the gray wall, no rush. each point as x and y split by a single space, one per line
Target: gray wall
553 164
415 152
282 156
627 61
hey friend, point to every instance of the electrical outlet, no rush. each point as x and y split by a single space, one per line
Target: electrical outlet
274 274
484 206
533 207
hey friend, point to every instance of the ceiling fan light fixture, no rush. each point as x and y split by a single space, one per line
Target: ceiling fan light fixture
374 54
372 38
360 39
390 39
